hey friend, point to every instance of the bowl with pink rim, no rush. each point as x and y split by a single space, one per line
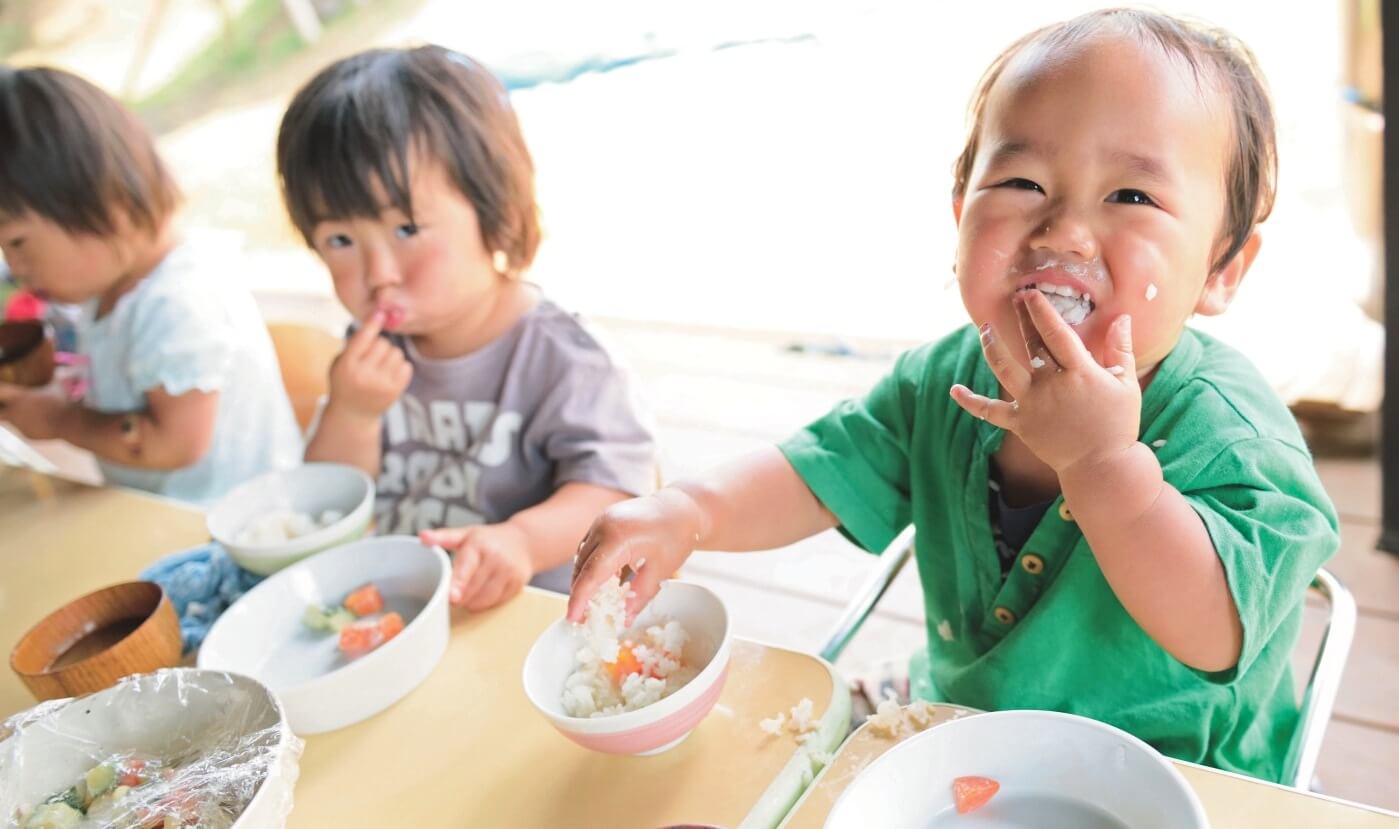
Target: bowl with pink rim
663 724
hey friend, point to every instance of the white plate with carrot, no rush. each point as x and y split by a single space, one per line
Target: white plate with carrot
1014 769
341 635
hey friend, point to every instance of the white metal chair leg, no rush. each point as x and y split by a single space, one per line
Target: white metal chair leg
1325 681
891 561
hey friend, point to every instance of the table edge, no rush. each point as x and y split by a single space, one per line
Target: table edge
792 783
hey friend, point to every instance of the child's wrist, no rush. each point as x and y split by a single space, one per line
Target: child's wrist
350 416
523 547
683 504
1122 479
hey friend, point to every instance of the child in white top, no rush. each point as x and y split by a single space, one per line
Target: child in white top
185 398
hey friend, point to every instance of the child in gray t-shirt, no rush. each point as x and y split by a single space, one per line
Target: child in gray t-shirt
495 423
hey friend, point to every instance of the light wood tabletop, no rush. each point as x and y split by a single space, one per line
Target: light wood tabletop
1231 801
465 748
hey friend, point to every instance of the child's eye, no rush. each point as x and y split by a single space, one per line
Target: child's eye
405 231
1021 184
1131 197
335 241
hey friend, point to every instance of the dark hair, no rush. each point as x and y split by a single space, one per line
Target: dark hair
72 154
359 120
1251 168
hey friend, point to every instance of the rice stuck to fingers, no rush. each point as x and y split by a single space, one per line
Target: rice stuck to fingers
617 669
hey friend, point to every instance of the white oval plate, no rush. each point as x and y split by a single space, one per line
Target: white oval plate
262 634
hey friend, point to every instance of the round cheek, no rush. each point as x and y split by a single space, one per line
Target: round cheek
448 277
89 272
1158 299
983 268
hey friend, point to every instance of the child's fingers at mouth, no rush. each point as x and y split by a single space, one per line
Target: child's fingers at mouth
1012 376
365 337
1039 353
998 413
1054 334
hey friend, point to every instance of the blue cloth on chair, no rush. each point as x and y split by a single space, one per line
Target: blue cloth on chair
201 582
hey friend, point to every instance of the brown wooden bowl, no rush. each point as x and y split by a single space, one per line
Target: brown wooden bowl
90 643
26 353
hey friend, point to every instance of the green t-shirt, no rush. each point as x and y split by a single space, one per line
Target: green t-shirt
1052 635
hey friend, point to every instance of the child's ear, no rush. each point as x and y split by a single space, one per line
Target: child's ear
957 210
1221 285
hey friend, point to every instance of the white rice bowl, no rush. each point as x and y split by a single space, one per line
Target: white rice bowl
662 724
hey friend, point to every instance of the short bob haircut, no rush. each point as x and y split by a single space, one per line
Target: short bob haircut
357 124
1216 57
72 154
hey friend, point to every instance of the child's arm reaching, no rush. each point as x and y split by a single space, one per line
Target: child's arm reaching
365 380
171 433
757 502
492 562
1082 419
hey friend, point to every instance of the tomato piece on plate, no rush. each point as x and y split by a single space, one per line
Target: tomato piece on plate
971 793
365 600
367 634
360 638
390 626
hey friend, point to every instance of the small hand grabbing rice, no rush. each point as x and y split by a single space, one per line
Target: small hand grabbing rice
617 670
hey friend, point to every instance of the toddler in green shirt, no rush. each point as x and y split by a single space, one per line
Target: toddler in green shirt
1114 516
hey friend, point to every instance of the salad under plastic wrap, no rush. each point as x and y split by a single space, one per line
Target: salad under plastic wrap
174 748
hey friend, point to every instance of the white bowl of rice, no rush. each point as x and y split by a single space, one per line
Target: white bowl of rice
279 518
638 690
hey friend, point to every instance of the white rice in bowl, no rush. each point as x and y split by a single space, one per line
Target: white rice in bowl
616 669
281 526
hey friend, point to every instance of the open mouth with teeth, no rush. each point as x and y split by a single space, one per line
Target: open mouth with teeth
1072 305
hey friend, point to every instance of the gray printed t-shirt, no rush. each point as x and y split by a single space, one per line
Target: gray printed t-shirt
477 438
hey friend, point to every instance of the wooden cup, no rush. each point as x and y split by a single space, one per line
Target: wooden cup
89 644
26 353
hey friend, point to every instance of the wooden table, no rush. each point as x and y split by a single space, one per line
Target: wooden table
465 748
1231 801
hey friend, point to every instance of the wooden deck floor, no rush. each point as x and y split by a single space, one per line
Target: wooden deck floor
716 393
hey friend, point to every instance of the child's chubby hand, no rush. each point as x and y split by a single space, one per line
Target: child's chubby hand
34 412
490 563
652 536
1070 411
370 373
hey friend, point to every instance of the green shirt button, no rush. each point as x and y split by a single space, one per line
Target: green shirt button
1064 512
1004 616
1032 564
